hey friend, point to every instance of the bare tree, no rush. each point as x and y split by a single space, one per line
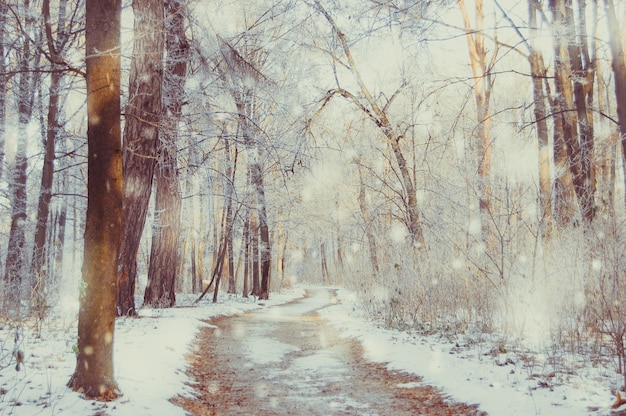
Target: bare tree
94 375
55 48
481 69
15 266
164 255
141 138
377 113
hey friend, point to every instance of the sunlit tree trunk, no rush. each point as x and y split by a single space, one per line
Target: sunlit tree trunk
94 375
619 73
482 93
141 135
607 151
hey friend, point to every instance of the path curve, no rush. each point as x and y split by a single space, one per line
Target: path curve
286 360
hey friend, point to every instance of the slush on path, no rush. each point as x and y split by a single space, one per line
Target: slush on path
286 360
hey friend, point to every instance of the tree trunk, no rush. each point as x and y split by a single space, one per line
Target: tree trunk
538 73
246 261
254 242
3 84
94 374
619 73
582 75
567 150
324 264
16 257
264 234
164 254
367 225
229 190
141 135
47 176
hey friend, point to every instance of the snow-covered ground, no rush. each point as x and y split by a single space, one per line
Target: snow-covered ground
150 364
476 372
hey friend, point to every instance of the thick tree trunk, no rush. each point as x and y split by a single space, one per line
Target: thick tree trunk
582 75
94 374
164 255
141 135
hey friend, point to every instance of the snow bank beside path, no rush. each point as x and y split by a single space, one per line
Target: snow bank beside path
500 383
149 360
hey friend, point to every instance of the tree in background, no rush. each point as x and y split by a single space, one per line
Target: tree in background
55 50
141 140
94 375
15 266
164 255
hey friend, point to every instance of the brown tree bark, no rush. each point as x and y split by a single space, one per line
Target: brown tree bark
164 254
566 146
254 248
538 73
582 76
618 66
94 374
141 135
265 247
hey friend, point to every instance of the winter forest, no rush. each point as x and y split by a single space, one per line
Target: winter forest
459 165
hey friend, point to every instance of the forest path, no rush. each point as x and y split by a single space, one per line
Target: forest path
286 360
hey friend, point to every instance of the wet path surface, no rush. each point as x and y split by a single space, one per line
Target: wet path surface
286 360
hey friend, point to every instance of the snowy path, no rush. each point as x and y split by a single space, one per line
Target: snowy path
286 360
